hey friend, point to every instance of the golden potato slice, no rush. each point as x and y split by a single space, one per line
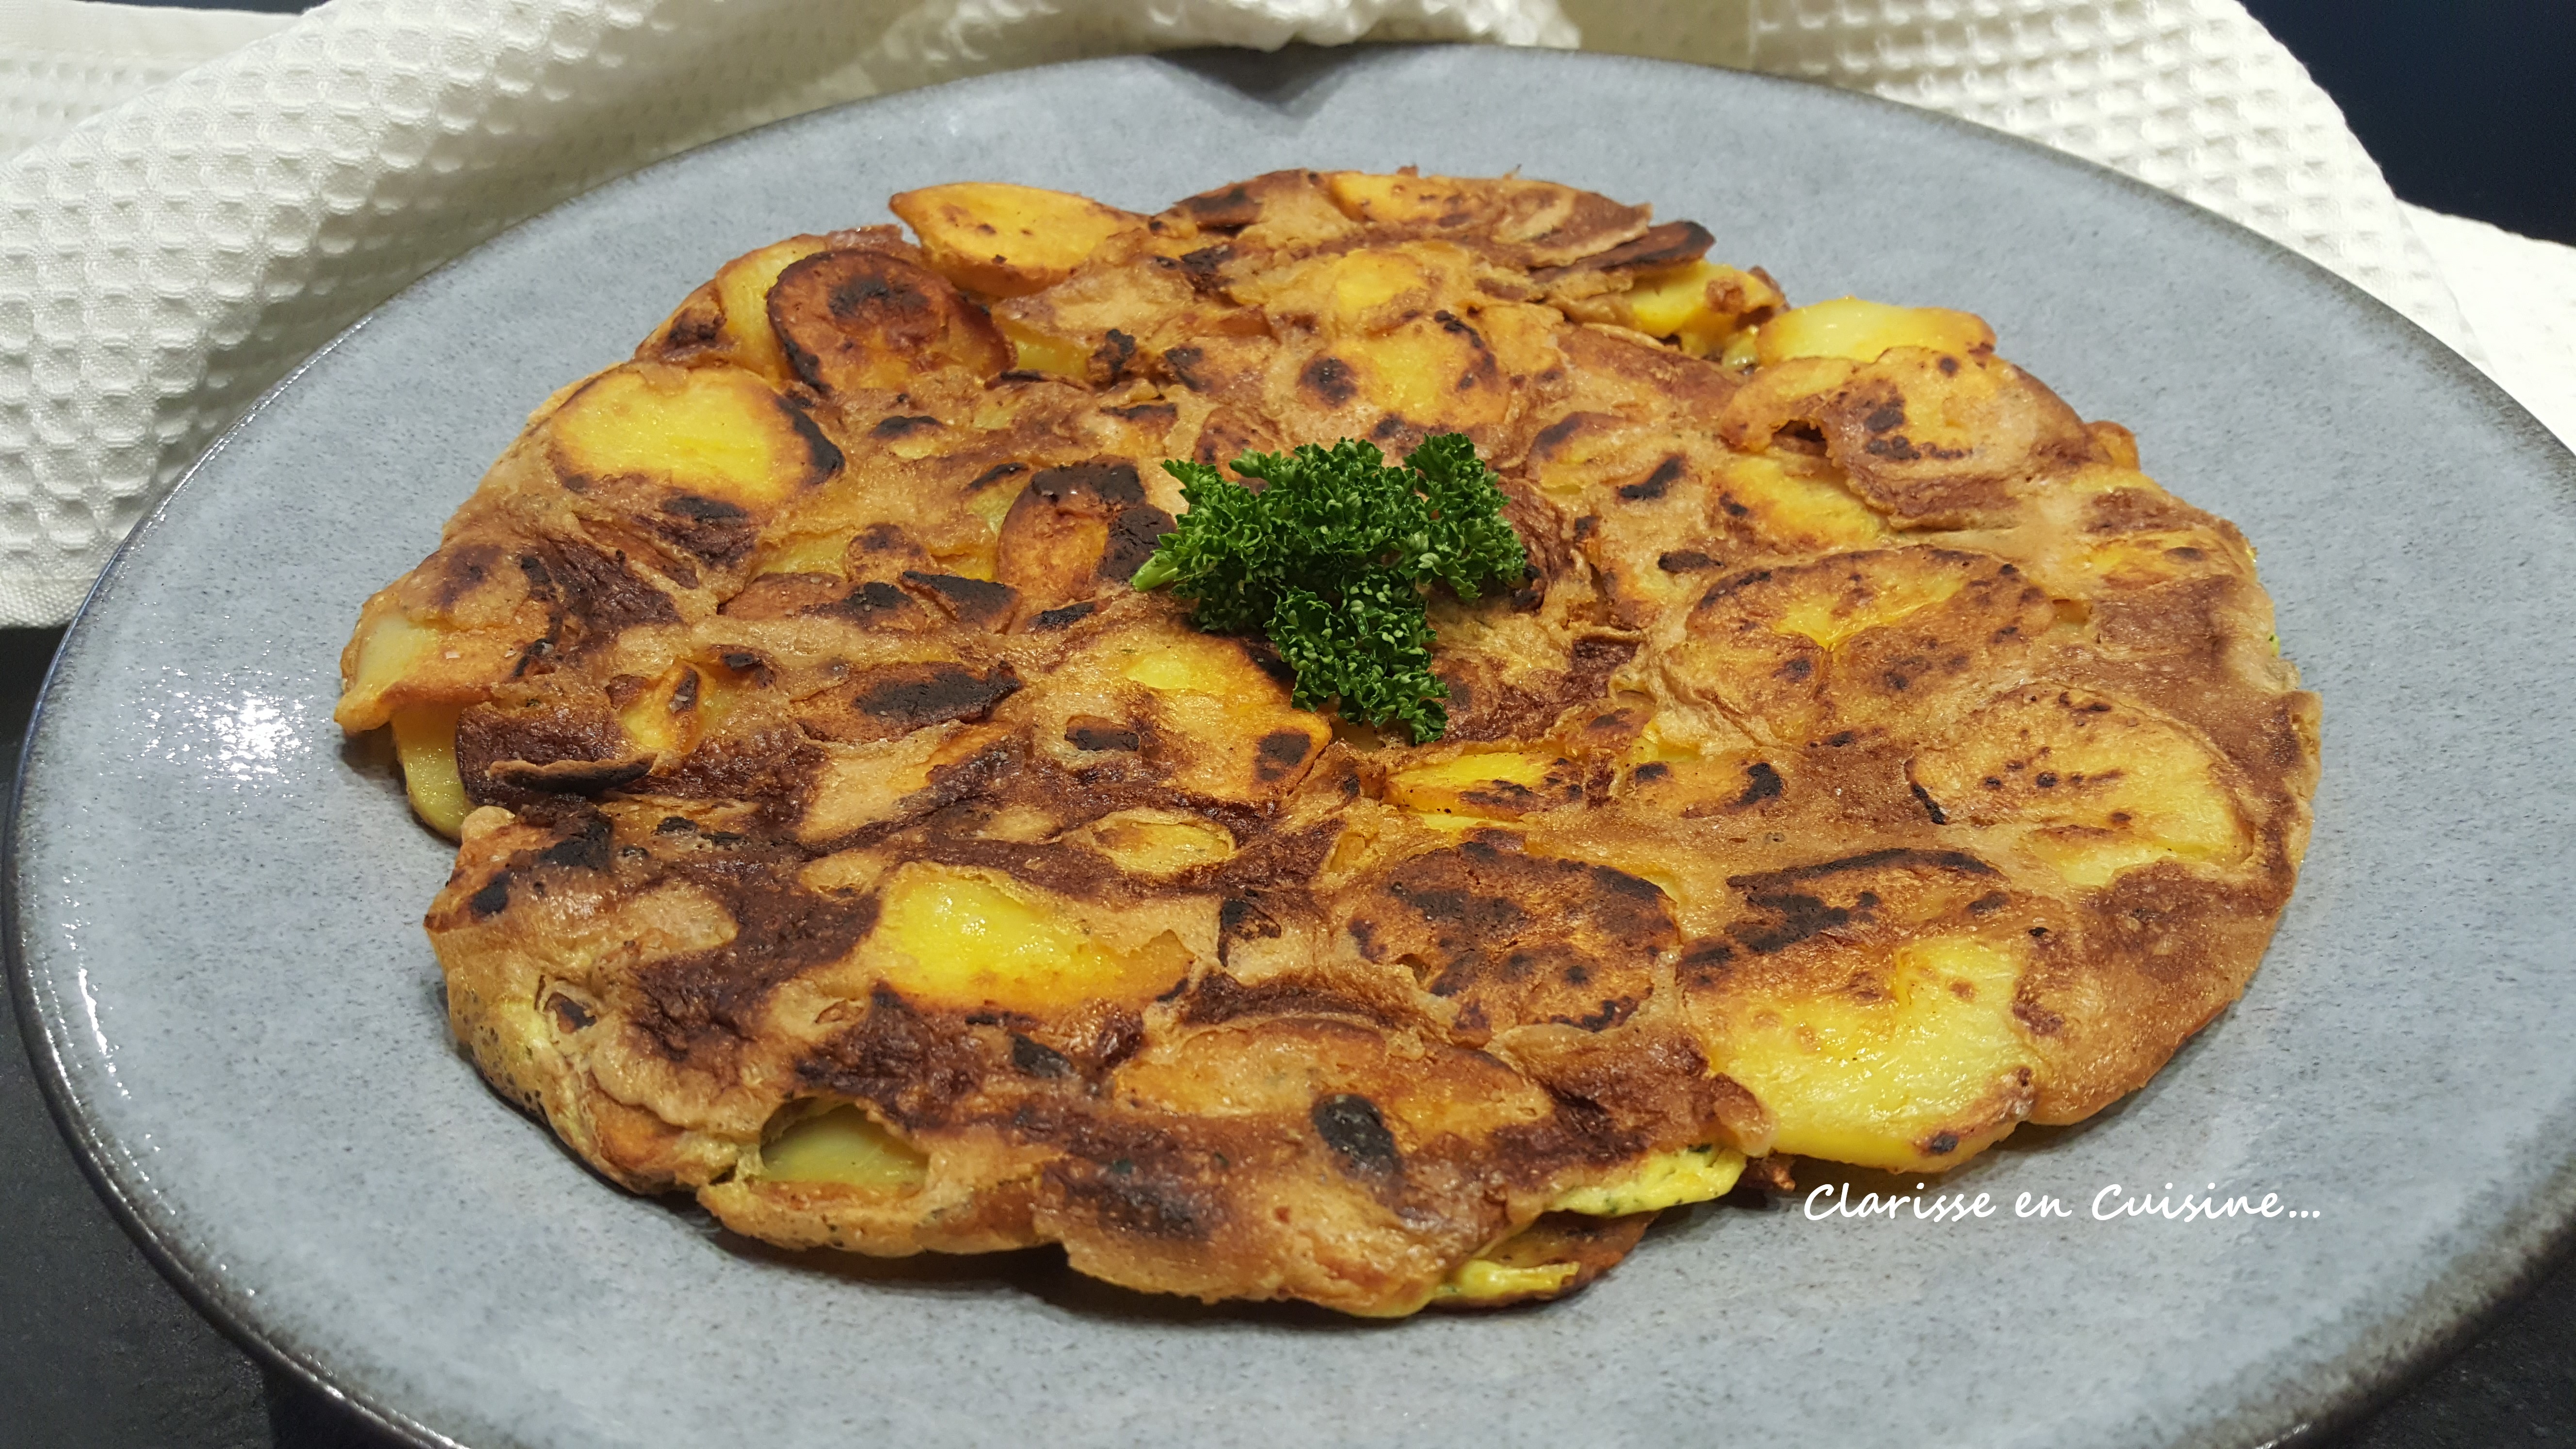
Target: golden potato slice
1437 374
1912 1063
425 742
865 784
393 663
1160 842
727 320
1517 939
1666 1179
1364 290
1865 331
1223 728
2105 785
842 1146
1556 1255
1397 342
1696 305
716 433
1802 503
1075 530
1003 240
1542 222
1853 639
857 318
974 939
1400 199
1498 785
1931 439
662 715
1284 1066
1034 350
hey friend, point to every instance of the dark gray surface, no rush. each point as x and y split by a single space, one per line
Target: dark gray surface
2463 103
94 1347
2520 1391
97 1350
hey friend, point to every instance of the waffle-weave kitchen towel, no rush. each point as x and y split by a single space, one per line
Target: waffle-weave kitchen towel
225 192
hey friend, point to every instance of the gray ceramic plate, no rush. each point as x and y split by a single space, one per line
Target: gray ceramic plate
217 905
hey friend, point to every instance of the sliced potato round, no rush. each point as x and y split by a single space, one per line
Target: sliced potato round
1006 241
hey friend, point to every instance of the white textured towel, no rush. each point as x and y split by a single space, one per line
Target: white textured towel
199 199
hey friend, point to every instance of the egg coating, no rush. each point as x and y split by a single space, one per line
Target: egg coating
1873 759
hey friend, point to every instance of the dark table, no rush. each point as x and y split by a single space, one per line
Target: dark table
2462 100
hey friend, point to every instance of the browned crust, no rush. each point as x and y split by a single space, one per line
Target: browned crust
664 947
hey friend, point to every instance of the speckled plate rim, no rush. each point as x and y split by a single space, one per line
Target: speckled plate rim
2388 1357
204 1288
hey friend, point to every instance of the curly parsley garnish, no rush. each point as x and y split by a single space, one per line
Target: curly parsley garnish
1331 560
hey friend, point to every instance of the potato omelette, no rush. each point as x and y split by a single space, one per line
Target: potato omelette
1872 758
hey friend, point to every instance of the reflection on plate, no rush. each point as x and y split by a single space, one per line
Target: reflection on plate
216 905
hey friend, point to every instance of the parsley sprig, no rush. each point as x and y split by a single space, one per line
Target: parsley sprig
1332 559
